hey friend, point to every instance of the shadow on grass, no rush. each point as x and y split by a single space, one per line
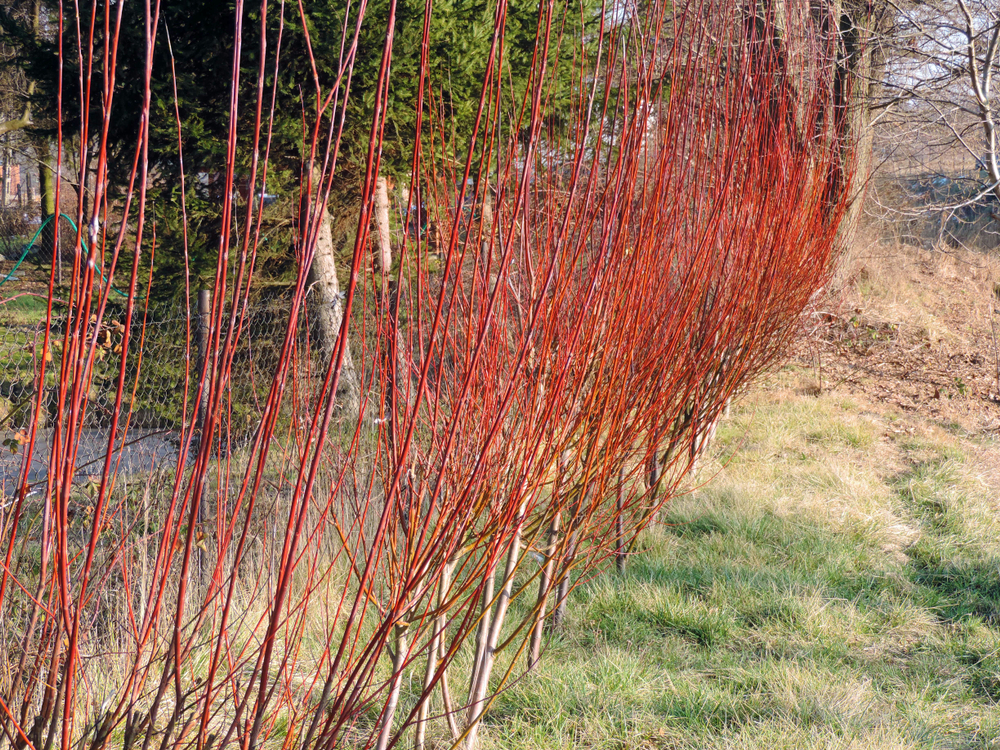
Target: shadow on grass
732 623
957 587
958 577
769 553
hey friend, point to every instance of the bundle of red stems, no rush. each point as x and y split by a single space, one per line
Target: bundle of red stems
531 384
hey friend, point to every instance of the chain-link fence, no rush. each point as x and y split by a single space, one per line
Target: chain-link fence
162 365
929 187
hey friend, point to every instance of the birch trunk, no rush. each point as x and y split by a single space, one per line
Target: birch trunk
397 359
383 240
328 311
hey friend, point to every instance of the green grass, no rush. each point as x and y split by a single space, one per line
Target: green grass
829 586
23 309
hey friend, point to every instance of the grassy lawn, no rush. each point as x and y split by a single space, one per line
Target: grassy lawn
24 310
833 583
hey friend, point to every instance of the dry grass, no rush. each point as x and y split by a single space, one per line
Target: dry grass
946 291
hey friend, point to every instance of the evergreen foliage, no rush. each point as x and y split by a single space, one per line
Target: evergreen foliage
194 53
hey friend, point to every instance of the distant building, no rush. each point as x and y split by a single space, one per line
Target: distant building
18 184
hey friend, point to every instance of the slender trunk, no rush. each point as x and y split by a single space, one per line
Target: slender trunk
481 685
396 358
47 180
449 705
483 631
398 660
420 730
653 471
544 587
562 594
702 440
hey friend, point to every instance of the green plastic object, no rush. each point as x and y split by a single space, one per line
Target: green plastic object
31 244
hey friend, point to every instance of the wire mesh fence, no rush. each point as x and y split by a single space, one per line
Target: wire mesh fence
929 186
161 378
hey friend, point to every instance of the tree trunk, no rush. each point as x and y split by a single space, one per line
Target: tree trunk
328 311
856 27
481 682
47 182
483 632
396 358
562 591
395 683
383 240
860 70
653 470
544 587
434 647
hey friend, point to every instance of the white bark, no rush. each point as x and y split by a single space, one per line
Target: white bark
398 662
440 622
982 87
400 377
328 309
383 239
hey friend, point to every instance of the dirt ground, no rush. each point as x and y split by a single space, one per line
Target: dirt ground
910 330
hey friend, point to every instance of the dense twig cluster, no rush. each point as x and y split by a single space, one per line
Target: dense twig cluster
534 382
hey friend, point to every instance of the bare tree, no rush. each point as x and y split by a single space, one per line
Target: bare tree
940 109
